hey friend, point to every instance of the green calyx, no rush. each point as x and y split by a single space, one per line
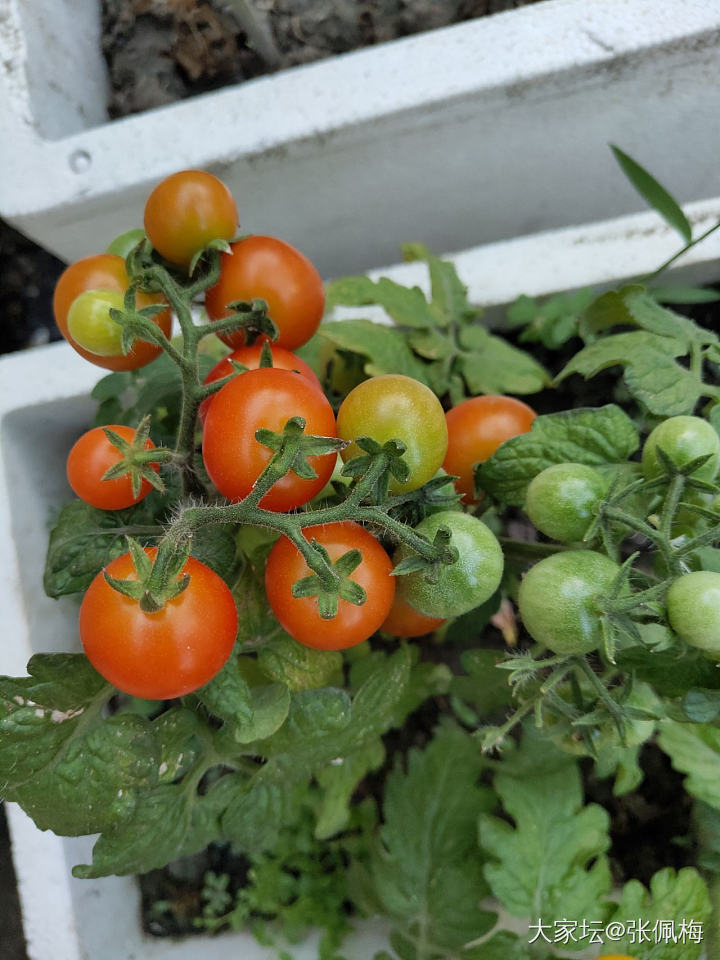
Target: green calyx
156 582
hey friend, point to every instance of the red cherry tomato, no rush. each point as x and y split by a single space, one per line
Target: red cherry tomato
404 621
269 269
250 357
91 456
186 211
476 428
160 655
105 271
267 398
300 616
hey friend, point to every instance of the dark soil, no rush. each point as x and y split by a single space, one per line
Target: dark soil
159 51
27 279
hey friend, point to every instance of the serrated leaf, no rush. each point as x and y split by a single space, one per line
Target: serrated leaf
214 545
496 366
427 870
84 540
298 667
71 770
255 815
665 387
384 347
597 437
654 193
168 822
406 306
339 781
634 306
672 899
694 749
551 861
620 349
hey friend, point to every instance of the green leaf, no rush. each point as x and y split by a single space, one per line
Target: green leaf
666 388
214 545
654 194
485 687
339 781
672 672
298 667
694 749
672 899
384 347
597 437
676 293
253 713
84 540
552 322
427 869
406 306
634 306
495 366
621 349
169 822
254 816
71 770
551 862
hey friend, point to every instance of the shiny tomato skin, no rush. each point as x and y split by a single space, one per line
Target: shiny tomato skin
396 407
300 616
105 271
250 357
561 500
90 457
269 269
267 398
693 607
186 211
476 428
404 621
159 656
683 439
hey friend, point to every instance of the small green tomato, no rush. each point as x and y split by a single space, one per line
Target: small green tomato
560 501
90 324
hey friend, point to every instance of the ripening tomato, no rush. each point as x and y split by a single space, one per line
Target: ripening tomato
404 621
186 211
396 407
615 956
265 268
91 457
105 272
250 357
158 656
476 428
300 615
264 398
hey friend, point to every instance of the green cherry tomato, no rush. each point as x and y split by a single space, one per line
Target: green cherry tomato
693 608
125 242
683 439
90 324
558 596
395 407
561 499
460 586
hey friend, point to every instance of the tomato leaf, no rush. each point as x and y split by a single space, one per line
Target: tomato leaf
214 545
694 750
427 870
597 437
84 540
298 667
71 770
384 347
253 713
406 306
551 861
496 366
339 781
673 898
653 193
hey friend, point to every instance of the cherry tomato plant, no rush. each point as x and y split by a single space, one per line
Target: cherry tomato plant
351 606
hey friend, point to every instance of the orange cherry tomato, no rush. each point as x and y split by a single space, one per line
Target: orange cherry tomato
300 616
250 357
186 211
269 269
91 456
404 621
476 428
267 398
105 271
160 655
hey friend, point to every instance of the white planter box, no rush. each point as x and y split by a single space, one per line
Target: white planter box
44 406
487 130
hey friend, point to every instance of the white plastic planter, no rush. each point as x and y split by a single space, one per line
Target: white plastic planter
486 130
44 406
